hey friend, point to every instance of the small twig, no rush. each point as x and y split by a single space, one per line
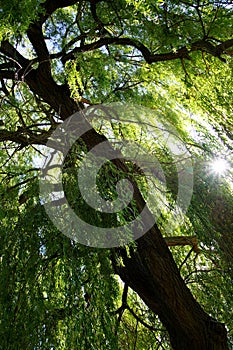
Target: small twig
151 328
186 258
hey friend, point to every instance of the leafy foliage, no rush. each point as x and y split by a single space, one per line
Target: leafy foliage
174 57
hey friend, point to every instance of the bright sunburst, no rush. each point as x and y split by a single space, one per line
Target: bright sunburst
219 166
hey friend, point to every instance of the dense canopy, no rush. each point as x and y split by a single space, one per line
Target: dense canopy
156 74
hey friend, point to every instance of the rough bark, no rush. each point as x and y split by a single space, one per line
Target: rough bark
152 273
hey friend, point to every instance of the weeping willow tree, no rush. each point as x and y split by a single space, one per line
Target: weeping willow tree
172 287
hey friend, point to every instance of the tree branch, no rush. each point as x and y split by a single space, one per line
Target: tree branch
221 48
182 241
23 139
36 37
7 49
182 53
140 320
51 6
148 56
5 74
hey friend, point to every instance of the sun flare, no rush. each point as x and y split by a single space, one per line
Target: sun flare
219 166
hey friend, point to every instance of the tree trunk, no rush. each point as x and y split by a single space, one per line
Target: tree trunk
150 271
153 274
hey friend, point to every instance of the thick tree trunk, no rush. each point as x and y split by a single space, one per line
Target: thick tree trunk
152 273
151 270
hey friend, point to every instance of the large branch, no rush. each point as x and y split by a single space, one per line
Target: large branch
39 80
35 33
24 139
14 136
182 241
182 53
50 6
6 74
9 51
19 66
37 40
146 53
